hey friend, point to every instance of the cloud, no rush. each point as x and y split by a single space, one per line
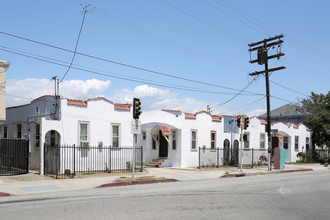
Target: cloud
256 112
157 99
24 90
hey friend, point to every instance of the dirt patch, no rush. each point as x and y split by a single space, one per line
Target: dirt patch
31 176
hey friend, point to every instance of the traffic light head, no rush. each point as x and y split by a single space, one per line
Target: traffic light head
246 122
136 108
238 120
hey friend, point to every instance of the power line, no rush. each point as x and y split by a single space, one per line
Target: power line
287 88
75 49
114 75
239 93
192 14
123 64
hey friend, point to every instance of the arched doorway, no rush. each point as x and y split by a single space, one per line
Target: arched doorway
226 151
235 152
52 152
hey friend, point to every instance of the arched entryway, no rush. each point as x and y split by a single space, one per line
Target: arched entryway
52 152
226 151
235 152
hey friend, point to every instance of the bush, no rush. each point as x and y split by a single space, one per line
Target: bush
301 156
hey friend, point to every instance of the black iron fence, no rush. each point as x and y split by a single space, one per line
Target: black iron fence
318 155
208 157
14 156
69 160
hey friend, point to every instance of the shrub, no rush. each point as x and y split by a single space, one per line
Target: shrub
301 156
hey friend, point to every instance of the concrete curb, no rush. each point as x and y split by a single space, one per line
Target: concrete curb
136 182
263 173
4 194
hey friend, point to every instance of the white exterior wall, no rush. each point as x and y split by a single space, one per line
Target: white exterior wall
183 156
291 132
100 114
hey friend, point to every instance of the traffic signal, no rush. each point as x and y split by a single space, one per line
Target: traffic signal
246 122
238 120
136 108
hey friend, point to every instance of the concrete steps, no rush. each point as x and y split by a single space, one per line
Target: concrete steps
156 162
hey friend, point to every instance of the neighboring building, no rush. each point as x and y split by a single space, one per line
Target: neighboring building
172 135
3 67
286 113
52 121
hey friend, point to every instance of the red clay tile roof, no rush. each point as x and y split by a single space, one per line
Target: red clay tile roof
190 116
76 102
124 107
216 118
203 111
17 106
100 97
168 110
262 121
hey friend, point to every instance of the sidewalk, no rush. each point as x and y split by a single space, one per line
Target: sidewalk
32 183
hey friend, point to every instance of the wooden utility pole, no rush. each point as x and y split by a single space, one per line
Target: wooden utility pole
262 47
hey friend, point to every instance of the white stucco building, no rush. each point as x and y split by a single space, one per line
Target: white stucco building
172 135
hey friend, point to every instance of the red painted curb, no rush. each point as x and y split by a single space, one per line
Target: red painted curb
233 175
137 182
290 171
4 194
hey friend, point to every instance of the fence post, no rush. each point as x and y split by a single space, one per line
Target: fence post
252 156
199 157
141 158
74 160
217 157
110 158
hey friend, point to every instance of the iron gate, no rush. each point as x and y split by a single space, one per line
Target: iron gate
14 157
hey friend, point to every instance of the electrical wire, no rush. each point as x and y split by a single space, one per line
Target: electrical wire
123 64
114 75
75 49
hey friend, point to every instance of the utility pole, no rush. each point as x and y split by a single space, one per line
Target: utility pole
262 47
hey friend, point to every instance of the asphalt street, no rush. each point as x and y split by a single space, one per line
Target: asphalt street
301 195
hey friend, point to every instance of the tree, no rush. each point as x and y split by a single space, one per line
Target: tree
317 109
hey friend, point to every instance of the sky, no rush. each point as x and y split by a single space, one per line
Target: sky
179 55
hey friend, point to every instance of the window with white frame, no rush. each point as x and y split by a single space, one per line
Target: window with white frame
193 139
296 142
286 142
174 140
247 142
5 132
213 139
37 135
262 140
19 131
84 134
115 135
37 109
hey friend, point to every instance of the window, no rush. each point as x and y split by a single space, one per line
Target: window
307 143
5 132
296 142
193 139
37 109
37 135
174 140
83 134
213 139
115 135
19 130
144 135
262 140
286 142
247 142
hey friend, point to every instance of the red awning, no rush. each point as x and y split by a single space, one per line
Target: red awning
165 129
